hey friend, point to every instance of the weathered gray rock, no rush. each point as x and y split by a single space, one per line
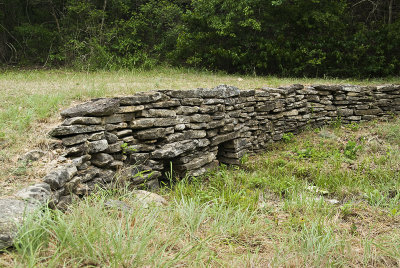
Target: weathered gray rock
350 88
165 104
158 113
114 148
93 108
111 138
106 175
13 212
387 88
78 150
200 118
333 88
345 112
79 161
154 133
141 148
157 122
58 177
32 156
148 199
186 110
39 192
198 162
190 134
101 159
174 149
118 118
143 97
89 174
124 133
96 136
74 129
223 138
69 141
265 107
221 91
130 109
97 146
111 127
82 121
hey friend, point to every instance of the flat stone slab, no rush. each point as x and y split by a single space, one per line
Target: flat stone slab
93 108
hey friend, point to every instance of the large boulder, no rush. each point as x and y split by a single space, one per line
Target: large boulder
13 212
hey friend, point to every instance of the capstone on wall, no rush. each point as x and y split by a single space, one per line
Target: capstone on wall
194 130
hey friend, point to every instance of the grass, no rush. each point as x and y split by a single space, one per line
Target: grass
327 197
306 202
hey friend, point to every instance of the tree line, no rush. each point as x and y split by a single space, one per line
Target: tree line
346 38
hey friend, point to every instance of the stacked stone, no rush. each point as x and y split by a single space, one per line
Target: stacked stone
149 134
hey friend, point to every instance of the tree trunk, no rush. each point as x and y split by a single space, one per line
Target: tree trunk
390 12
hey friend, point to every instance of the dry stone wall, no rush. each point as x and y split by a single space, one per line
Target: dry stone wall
193 130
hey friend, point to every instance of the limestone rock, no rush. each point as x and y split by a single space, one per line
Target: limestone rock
111 138
198 162
154 133
69 141
101 159
118 118
39 192
174 149
333 88
58 177
74 129
200 118
97 146
143 97
82 121
79 161
96 136
158 113
78 150
114 148
32 156
13 212
223 138
148 198
99 107
130 109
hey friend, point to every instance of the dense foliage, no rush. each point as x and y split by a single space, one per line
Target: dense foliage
283 37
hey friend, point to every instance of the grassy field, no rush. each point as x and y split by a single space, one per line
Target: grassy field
327 197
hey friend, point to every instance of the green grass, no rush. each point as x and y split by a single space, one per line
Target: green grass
276 210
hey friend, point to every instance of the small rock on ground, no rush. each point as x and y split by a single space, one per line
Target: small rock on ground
148 198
